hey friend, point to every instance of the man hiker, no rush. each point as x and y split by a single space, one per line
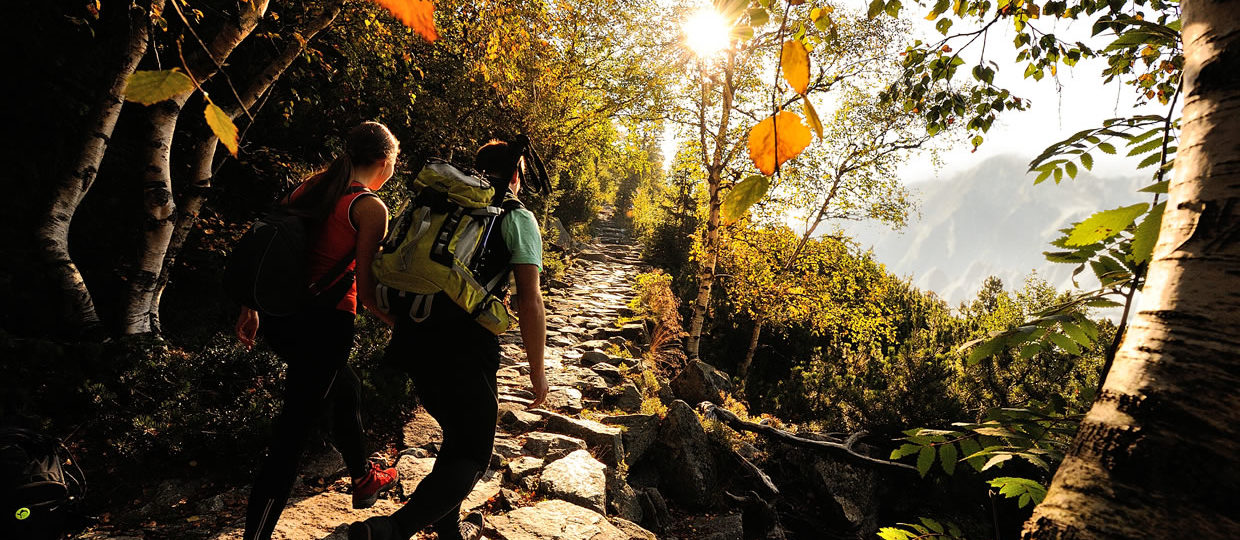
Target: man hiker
453 360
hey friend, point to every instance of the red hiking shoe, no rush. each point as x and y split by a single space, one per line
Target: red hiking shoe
367 488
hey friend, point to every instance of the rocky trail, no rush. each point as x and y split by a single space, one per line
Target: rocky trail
617 452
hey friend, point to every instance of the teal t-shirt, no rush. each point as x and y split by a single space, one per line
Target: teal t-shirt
520 231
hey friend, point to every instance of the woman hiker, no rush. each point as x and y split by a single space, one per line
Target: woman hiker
316 342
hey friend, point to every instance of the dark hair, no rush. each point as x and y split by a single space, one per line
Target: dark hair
498 160
365 144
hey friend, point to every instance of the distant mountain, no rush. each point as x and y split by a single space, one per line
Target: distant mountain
990 220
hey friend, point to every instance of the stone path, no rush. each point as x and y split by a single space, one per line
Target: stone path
554 473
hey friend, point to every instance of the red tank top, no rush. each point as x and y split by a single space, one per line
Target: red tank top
336 238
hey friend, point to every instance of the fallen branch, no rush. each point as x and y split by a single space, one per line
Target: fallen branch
847 447
762 476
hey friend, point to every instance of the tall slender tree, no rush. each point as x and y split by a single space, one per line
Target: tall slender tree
1158 455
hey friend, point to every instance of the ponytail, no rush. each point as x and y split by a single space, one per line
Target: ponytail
365 144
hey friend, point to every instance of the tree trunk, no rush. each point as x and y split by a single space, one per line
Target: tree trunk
706 269
142 303
79 308
202 152
743 369
1158 455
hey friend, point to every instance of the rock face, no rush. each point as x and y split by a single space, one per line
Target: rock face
700 382
553 520
686 459
638 433
577 478
727 527
854 489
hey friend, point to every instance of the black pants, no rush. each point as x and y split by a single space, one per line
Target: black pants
452 361
316 346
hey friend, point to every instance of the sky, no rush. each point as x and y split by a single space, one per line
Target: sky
1076 99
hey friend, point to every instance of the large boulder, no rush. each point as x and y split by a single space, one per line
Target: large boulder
523 471
605 440
638 432
622 498
553 520
577 478
686 458
625 397
855 489
700 382
551 446
486 489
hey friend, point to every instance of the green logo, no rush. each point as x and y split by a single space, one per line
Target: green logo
23 513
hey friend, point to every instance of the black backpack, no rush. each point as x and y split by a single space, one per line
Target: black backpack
266 270
41 485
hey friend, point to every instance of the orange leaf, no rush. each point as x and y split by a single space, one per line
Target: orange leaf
794 60
416 14
792 136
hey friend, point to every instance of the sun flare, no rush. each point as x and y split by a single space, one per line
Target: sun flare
706 32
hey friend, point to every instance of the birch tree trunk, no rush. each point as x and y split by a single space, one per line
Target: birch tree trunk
78 307
202 151
141 306
714 170
1158 455
743 370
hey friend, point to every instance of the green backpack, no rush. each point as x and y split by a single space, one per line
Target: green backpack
437 242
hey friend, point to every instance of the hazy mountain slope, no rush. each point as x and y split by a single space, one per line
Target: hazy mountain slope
990 220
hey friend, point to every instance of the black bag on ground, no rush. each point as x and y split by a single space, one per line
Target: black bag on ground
39 493
266 270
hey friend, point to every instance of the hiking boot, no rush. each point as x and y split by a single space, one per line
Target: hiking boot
367 488
469 528
375 528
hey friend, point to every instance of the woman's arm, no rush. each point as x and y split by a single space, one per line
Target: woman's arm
371 217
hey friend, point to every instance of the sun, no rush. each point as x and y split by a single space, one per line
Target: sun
706 32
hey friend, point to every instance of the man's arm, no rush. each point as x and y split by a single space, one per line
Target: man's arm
533 324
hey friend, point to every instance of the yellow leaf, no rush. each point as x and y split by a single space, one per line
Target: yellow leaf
811 116
788 130
794 60
416 14
223 126
148 87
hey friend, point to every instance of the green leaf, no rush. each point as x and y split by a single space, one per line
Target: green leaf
996 460
1065 343
985 348
943 26
904 450
968 447
1106 147
1145 236
1105 224
1071 168
893 8
1157 187
1028 351
1089 327
895 533
743 195
947 458
1149 160
1023 489
932 525
1077 334
876 7
925 459
149 87
758 17
1088 161
222 126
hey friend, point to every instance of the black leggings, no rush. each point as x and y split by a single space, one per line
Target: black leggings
452 364
316 346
